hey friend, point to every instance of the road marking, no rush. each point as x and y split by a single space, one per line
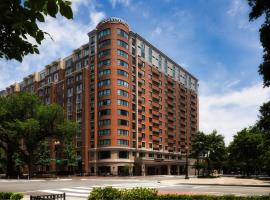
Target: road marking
63 179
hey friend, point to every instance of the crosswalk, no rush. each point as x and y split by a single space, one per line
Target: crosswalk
83 191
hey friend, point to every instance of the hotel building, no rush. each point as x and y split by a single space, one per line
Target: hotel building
135 106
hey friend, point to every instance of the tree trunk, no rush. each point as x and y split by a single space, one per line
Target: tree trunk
30 166
10 167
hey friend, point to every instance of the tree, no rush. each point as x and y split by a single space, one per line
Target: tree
259 8
41 156
19 21
24 122
263 125
245 150
209 150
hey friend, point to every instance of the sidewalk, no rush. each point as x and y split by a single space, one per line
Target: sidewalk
230 181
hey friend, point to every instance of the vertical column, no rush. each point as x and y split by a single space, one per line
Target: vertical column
143 169
178 170
169 169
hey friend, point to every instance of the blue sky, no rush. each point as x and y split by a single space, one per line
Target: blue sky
212 39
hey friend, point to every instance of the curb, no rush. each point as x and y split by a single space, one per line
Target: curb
212 184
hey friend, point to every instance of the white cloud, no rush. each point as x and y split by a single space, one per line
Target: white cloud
237 7
232 111
157 31
123 2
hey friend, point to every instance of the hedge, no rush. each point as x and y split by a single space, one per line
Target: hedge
109 193
10 195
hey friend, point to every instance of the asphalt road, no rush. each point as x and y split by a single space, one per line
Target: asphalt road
79 188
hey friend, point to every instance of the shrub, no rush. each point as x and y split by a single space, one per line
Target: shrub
16 196
107 193
140 193
10 195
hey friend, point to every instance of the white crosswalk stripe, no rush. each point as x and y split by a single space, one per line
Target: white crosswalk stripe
83 191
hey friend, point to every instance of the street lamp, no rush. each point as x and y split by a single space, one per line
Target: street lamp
186 177
56 145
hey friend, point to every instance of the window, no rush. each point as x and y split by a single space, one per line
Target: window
106 52
78 66
79 77
70 92
122 33
104 72
104 32
143 50
150 55
123 154
122 142
104 154
104 92
104 43
122 73
104 132
122 44
122 132
122 53
104 112
104 122
122 122
122 93
121 102
122 63
104 83
104 102
104 63
79 88
122 83
122 112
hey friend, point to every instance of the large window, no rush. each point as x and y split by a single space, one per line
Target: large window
122 132
104 43
106 52
104 102
122 63
122 44
104 63
105 82
104 112
121 102
123 142
104 122
122 83
122 33
122 53
123 154
104 154
122 112
104 92
104 132
122 93
104 72
122 122
104 142
104 32
122 73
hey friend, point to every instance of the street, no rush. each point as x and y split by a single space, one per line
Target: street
79 187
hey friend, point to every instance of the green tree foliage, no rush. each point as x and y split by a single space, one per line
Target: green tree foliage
25 122
41 155
209 150
262 8
245 151
19 20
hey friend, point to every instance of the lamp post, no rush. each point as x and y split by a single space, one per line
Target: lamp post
186 177
56 145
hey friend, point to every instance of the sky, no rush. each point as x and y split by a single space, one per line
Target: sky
213 40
